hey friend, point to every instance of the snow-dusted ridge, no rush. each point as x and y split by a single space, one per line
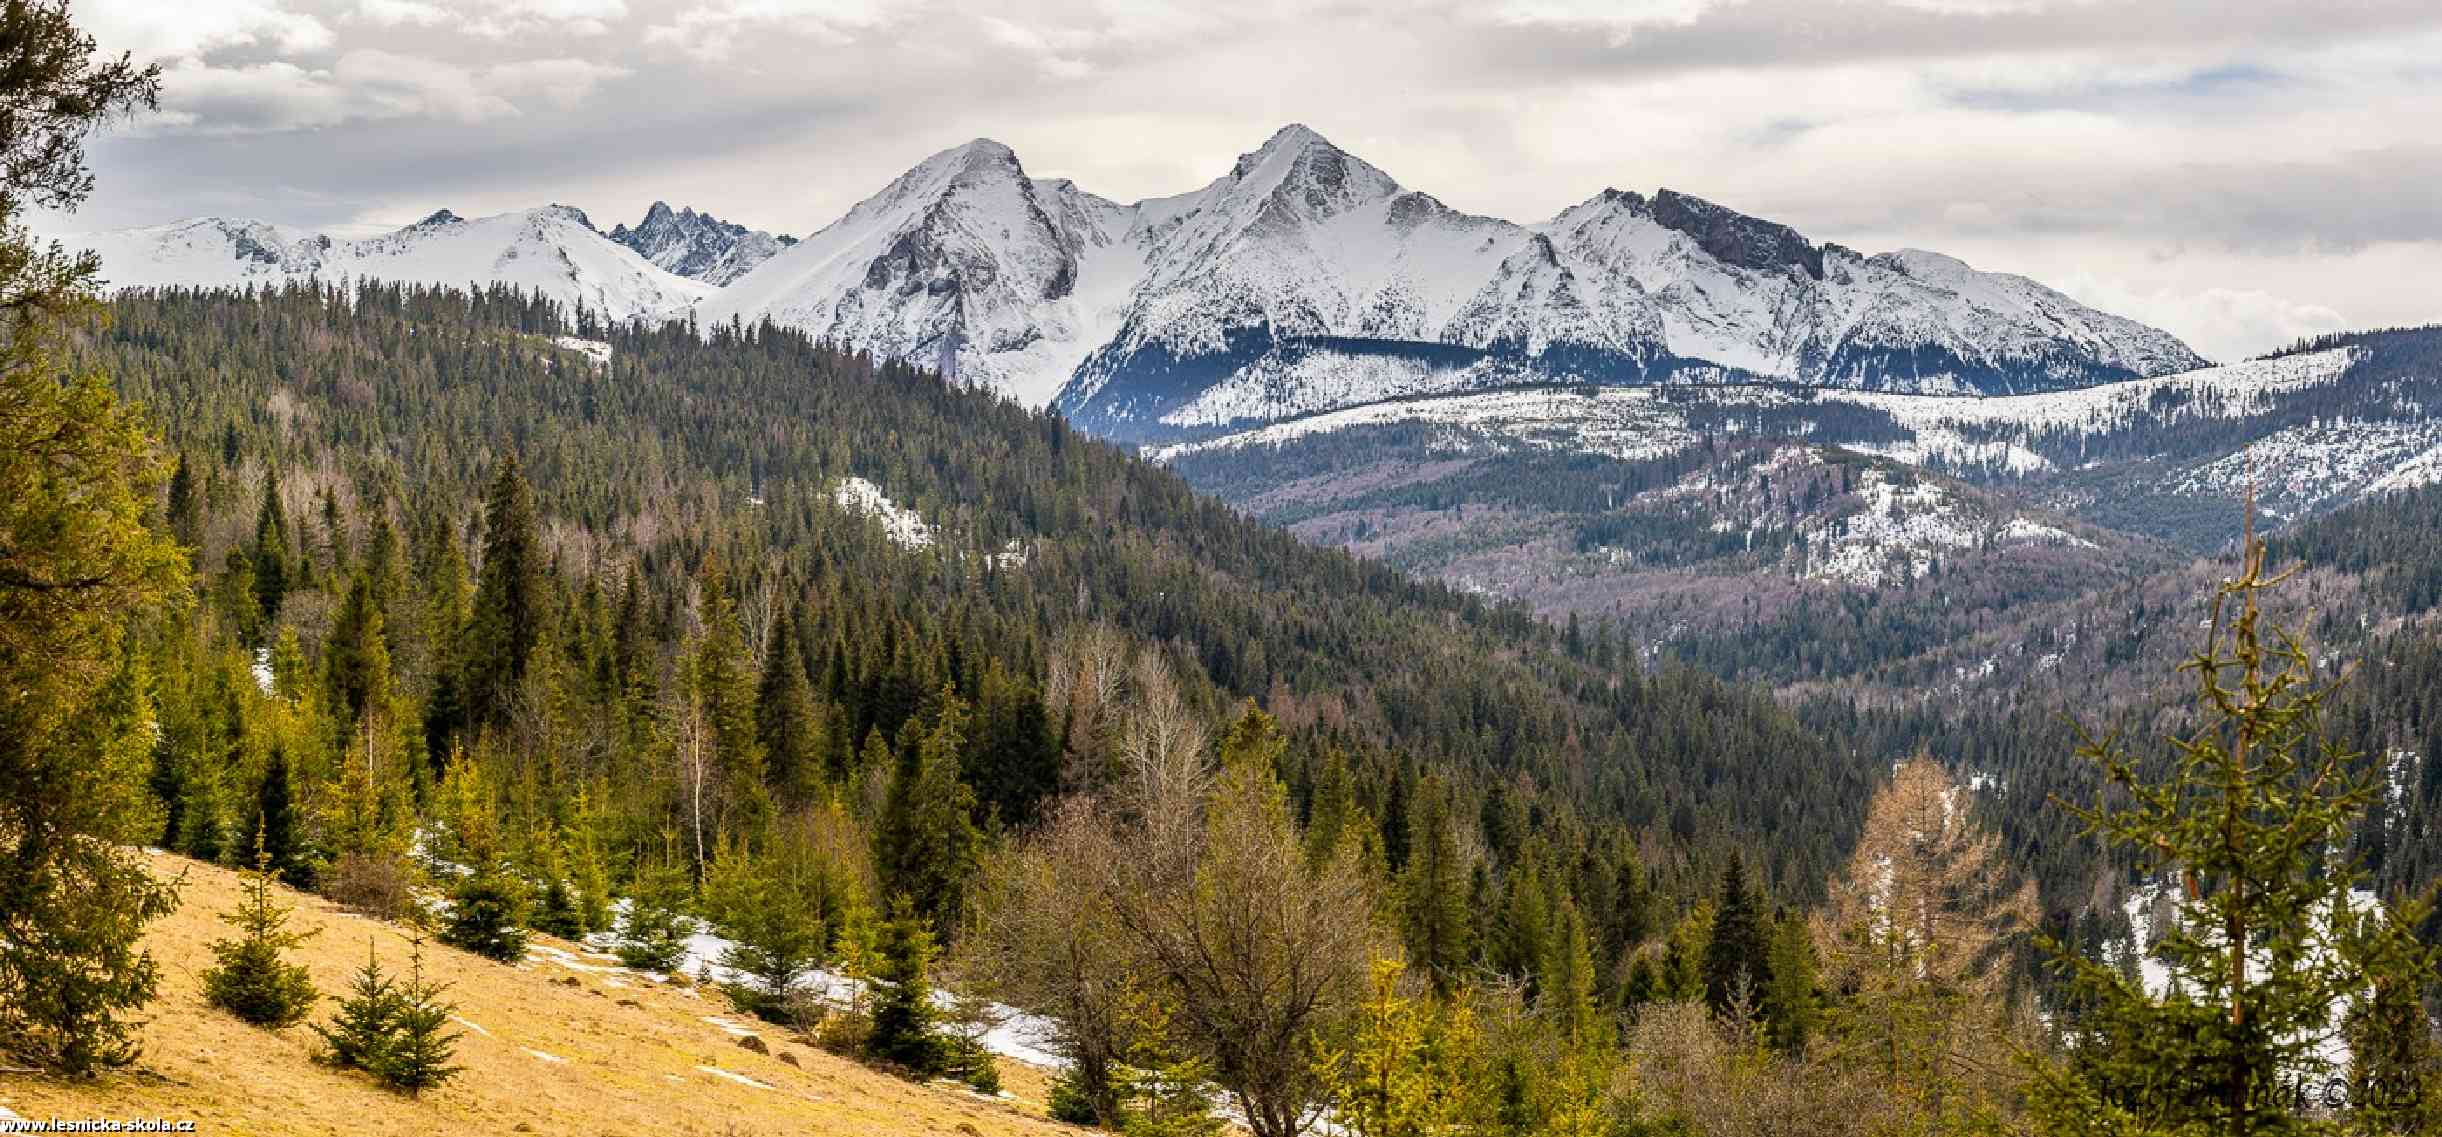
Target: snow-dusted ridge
553 251
1641 422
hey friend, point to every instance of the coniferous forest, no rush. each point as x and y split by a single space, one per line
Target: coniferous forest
464 611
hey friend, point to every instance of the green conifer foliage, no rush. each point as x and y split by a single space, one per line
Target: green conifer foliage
271 827
788 723
774 920
488 902
252 979
270 555
359 1036
1439 930
78 475
417 1055
1737 961
905 1031
927 843
1792 1005
2250 825
652 933
1165 1088
510 601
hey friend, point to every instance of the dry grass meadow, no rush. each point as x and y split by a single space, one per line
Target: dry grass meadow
610 1054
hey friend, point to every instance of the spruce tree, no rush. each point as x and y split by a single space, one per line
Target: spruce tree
488 902
185 505
1738 959
2250 828
1014 763
269 556
1165 1088
510 605
1433 891
416 1056
927 843
356 657
78 475
586 869
487 912
774 923
1522 941
905 1033
652 933
1792 1006
787 722
252 980
1565 996
359 1036
555 911
271 828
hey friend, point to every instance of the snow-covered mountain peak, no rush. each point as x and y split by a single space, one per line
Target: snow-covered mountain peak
963 264
698 246
1301 173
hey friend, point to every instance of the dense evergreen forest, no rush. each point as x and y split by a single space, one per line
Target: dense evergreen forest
341 456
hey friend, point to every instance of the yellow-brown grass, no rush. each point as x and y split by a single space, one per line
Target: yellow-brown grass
621 1068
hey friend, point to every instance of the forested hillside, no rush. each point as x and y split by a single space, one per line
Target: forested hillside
336 451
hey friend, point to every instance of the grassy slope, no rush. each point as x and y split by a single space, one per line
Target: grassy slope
626 1069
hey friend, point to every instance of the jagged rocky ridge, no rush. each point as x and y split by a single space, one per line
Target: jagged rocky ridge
698 246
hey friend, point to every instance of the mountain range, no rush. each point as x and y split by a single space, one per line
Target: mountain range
1302 280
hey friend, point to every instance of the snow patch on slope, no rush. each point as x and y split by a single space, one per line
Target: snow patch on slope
1628 424
904 526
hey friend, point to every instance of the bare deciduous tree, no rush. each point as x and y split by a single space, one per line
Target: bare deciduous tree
1262 951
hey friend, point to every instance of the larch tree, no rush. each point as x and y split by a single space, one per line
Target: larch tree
1043 936
1920 939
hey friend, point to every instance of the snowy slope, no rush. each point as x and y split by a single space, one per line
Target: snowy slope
552 250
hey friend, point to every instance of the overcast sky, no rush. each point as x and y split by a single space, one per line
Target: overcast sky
2240 172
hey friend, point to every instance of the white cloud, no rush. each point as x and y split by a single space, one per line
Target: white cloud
710 30
1051 58
2222 323
364 86
1619 18
564 83
181 29
399 13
